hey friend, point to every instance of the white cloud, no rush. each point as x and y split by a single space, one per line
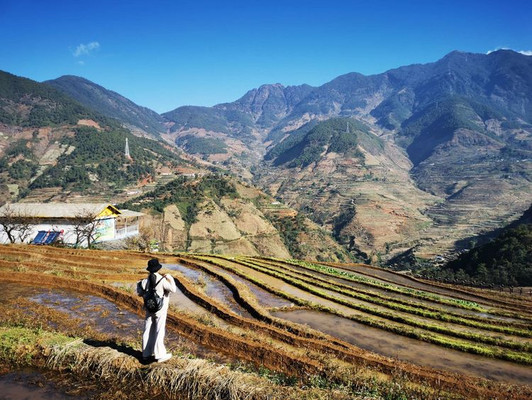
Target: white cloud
523 52
85 49
497 49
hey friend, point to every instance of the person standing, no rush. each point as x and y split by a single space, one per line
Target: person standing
155 323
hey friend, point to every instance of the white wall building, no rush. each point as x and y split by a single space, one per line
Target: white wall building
38 222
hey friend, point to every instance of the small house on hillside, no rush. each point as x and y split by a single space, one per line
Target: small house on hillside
78 224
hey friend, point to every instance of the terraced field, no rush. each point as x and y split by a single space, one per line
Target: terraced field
286 328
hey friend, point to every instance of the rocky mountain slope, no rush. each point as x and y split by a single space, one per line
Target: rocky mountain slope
463 122
260 108
233 133
219 215
352 182
140 120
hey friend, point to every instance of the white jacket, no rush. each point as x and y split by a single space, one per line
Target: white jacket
163 289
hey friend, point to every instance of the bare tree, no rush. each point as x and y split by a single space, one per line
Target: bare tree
16 224
25 228
141 241
85 228
8 222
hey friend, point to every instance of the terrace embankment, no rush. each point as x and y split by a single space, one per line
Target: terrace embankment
246 309
393 345
482 296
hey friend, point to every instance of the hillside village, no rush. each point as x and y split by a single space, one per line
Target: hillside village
74 224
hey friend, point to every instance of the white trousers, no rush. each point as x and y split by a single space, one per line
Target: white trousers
153 336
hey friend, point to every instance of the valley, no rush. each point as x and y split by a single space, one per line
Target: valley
449 159
418 160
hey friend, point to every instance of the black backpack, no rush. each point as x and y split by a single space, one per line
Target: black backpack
152 301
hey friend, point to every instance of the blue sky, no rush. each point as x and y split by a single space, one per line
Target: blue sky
164 54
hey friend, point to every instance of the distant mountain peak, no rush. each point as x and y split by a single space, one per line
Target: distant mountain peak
454 134
76 77
271 85
506 50
109 103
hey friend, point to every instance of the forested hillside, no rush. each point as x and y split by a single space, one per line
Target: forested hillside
110 104
307 145
52 145
27 103
506 260
98 157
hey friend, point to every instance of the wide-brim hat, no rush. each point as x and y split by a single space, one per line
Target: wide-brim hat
154 265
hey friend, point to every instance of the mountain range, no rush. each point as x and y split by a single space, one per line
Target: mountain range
420 157
460 130
53 148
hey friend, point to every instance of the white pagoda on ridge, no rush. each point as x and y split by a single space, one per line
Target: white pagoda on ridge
126 151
